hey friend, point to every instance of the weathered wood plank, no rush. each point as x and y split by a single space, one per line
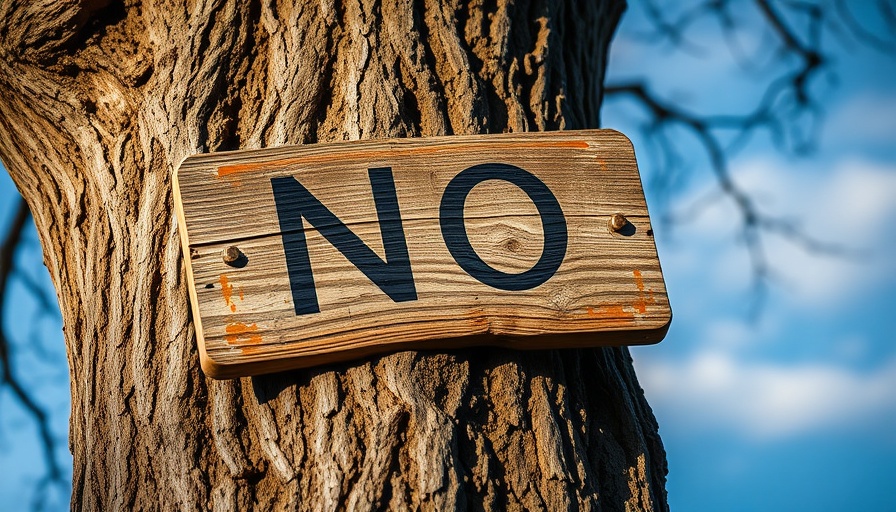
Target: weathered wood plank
605 288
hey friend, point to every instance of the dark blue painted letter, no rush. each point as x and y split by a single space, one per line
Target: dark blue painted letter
294 202
451 218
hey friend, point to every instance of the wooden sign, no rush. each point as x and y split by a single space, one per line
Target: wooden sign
311 254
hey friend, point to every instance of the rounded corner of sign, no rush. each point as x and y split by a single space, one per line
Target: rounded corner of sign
613 132
214 369
186 165
180 164
658 334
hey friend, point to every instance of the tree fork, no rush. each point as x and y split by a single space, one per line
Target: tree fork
102 100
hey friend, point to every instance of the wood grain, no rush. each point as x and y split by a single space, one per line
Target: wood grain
607 290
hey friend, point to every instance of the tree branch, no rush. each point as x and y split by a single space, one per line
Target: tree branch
8 377
786 102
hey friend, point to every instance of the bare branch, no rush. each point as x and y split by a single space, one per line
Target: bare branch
788 110
46 302
888 10
673 31
753 221
8 377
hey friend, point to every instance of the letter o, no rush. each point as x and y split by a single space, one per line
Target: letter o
454 232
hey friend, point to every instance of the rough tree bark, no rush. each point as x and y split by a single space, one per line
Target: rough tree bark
100 100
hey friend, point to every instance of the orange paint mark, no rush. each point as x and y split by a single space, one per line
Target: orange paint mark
602 165
611 316
230 170
643 299
639 281
240 328
241 333
250 350
610 313
227 291
575 144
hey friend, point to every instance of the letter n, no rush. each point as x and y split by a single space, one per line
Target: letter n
295 202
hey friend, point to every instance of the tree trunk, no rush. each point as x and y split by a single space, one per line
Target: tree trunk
101 101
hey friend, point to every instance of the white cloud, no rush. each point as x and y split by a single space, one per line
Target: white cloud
717 382
730 334
761 400
853 205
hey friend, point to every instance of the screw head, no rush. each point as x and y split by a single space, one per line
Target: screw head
232 256
617 221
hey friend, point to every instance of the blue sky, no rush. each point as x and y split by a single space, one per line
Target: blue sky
792 410
39 355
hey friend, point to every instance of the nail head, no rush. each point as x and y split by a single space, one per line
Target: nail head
617 221
232 255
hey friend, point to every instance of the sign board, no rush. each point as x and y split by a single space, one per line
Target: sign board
303 255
